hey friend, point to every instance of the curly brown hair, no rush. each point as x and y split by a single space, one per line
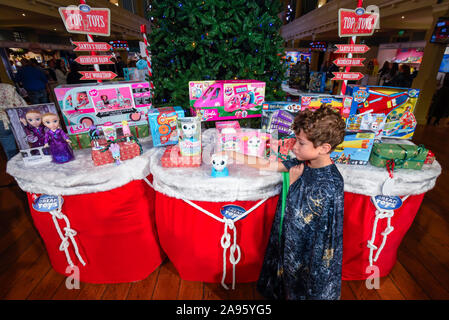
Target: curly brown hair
324 125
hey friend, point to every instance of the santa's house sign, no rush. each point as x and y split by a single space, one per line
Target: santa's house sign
86 20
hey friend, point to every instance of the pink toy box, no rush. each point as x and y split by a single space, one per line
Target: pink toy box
94 104
250 142
227 99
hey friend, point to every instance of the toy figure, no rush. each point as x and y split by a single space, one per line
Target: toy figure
34 128
56 139
83 100
94 135
188 131
219 162
104 98
126 131
115 150
254 145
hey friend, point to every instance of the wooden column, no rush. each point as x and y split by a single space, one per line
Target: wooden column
426 80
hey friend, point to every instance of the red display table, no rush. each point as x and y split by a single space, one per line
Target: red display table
106 224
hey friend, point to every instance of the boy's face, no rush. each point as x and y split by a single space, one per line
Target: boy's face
304 149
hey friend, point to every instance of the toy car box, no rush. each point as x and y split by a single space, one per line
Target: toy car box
340 103
227 99
398 104
84 105
355 149
278 116
163 125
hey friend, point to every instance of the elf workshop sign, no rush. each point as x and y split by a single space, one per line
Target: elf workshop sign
86 20
97 75
356 22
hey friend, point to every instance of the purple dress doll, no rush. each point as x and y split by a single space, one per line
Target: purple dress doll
34 128
57 139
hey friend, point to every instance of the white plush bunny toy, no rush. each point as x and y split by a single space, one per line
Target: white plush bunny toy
219 162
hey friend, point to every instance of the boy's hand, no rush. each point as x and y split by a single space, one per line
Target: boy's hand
295 172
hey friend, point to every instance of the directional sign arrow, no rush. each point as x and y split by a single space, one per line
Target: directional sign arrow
91 46
351 48
94 60
349 62
347 76
97 75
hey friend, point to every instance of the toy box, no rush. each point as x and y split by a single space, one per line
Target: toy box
278 116
404 156
127 150
397 104
355 149
340 103
250 142
84 105
29 131
227 99
368 121
189 136
163 125
227 126
134 74
317 82
172 158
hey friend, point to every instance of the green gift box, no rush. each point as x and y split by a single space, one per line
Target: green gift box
404 156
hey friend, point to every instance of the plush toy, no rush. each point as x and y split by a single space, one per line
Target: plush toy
219 162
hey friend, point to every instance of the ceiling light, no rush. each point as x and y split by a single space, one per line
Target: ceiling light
402 17
23 14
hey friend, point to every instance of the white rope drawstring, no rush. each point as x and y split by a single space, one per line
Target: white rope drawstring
69 234
225 240
380 214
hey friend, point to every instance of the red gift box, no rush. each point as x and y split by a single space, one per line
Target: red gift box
127 151
430 158
172 158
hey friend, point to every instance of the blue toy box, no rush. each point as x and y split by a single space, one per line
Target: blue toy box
277 116
163 125
355 149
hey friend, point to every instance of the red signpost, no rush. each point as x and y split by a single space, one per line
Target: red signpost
91 46
352 23
351 48
79 19
85 60
97 75
349 62
348 76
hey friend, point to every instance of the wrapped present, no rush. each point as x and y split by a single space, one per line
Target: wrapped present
128 150
430 158
398 156
172 158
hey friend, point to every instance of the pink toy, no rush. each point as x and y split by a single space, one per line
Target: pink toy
250 142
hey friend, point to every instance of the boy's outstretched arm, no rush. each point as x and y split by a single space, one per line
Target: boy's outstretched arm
256 162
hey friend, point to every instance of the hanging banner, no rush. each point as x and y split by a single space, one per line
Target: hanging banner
86 60
91 46
86 20
97 75
349 62
356 22
350 76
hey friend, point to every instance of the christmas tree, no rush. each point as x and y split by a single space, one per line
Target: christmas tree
214 40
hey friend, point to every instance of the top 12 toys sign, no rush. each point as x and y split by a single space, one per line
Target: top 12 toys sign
86 20
357 22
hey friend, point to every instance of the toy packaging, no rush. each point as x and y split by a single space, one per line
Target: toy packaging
189 136
172 158
404 156
227 126
113 152
249 142
280 149
163 125
278 116
397 104
84 105
227 99
30 132
355 149
317 82
340 103
368 121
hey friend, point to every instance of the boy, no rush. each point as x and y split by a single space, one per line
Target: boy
304 254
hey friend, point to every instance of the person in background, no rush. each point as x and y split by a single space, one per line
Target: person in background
439 107
61 72
34 81
50 71
73 77
383 72
120 65
9 98
403 78
394 70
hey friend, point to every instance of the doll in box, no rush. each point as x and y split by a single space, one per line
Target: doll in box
34 129
57 139
83 100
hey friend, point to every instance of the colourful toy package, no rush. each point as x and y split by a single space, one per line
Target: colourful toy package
367 121
163 125
340 103
397 104
189 136
227 126
355 149
317 83
85 105
172 158
278 116
227 99
250 142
